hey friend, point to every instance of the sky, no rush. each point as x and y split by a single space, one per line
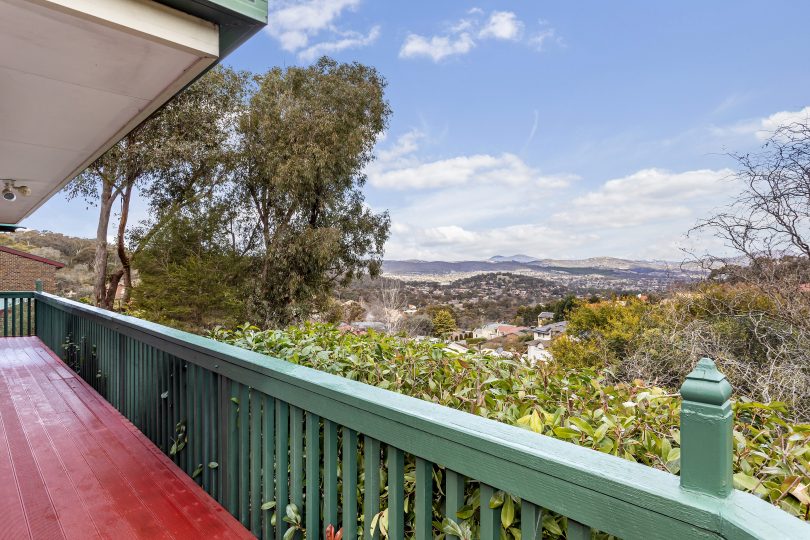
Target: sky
554 129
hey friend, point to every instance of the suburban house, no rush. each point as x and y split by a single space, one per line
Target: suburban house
550 331
537 351
20 271
488 331
509 329
544 317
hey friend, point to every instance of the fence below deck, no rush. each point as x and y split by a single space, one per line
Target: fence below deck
253 429
18 313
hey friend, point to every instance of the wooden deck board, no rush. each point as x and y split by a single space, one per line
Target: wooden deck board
72 467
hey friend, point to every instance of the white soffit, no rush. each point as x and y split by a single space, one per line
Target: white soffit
77 75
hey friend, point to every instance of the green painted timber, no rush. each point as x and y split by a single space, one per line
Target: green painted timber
330 474
268 465
396 492
313 509
531 521
350 459
490 517
282 464
238 20
371 497
453 496
19 313
595 491
577 531
424 499
707 423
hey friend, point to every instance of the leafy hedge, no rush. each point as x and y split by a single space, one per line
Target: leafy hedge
629 419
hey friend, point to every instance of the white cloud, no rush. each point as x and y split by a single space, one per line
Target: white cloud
436 47
762 128
543 38
397 168
474 206
649 196
783 118
350 40
505 169
458 243
502 25
295 23
462 36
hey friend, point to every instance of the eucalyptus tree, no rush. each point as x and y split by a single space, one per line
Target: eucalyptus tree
305 137
177 156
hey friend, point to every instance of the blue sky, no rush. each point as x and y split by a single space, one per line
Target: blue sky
553 129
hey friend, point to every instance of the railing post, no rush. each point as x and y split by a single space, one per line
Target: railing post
706 431
38 285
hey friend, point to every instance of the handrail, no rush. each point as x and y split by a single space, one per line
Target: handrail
16 294
606 493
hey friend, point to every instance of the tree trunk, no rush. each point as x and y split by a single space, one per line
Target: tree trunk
126 265
100 265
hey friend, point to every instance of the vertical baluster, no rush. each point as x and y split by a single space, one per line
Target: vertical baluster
129 366
13 317
244 454
313 495
232 476
255 462
454 496
330 478
490 517
396 493
161 405
371 496
5 317
28 318
531 521
578 531
182 381
424 499
176 397
205 411
162 402
349 473
220 428
268 464
138 391
282 464
196 439
150 393
297 457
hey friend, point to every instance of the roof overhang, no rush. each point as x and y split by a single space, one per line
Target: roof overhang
78 75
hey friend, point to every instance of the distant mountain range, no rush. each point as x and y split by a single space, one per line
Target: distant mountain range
501 263
610 268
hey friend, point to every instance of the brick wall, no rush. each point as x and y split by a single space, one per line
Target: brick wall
20 274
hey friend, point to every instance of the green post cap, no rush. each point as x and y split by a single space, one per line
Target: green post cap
705 384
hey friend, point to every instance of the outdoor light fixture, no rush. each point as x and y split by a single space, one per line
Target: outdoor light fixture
11 190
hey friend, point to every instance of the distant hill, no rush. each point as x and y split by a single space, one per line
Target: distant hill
500 263
513 258
606 271
76 278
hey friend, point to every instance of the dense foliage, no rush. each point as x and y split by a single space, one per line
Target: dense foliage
760 339
633 420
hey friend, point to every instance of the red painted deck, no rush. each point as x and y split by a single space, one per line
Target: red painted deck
72 467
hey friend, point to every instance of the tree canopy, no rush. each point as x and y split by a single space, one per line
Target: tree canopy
284 177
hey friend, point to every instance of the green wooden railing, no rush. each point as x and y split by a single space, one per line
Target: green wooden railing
18 313
253 429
